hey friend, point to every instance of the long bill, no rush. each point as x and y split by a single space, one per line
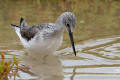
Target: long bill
72 40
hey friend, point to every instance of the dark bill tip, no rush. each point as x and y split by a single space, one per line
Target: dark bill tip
72 40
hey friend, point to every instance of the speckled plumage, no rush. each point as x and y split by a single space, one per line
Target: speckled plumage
47 29
47 37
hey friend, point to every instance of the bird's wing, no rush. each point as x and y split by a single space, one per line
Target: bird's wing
48 31
24 30
28 32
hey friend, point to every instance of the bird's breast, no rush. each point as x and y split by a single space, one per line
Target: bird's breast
46 46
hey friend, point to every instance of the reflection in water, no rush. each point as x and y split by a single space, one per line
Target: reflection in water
74 73
47 67
104 65
96 59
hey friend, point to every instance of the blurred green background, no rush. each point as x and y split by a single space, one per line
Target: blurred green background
95 18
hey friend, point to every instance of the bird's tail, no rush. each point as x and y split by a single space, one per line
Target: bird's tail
21 21
17 29
13 25
23 24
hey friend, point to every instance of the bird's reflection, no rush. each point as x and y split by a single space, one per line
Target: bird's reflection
73 74
46 67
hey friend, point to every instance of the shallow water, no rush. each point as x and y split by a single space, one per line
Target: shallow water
96 60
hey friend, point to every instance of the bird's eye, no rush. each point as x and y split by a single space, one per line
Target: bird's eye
67 25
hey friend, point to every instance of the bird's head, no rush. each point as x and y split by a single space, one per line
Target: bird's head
68 21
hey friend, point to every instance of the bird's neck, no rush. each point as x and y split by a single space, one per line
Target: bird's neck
59 24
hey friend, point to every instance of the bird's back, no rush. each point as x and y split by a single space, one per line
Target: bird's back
29 32
39 37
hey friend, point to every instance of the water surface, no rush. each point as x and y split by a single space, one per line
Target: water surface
96 60
96 35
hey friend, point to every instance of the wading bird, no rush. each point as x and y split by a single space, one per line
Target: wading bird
46 38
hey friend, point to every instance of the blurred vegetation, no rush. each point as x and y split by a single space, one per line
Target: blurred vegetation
9 68
95 18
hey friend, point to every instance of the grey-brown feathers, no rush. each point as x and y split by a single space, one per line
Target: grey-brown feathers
69 18
66 18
